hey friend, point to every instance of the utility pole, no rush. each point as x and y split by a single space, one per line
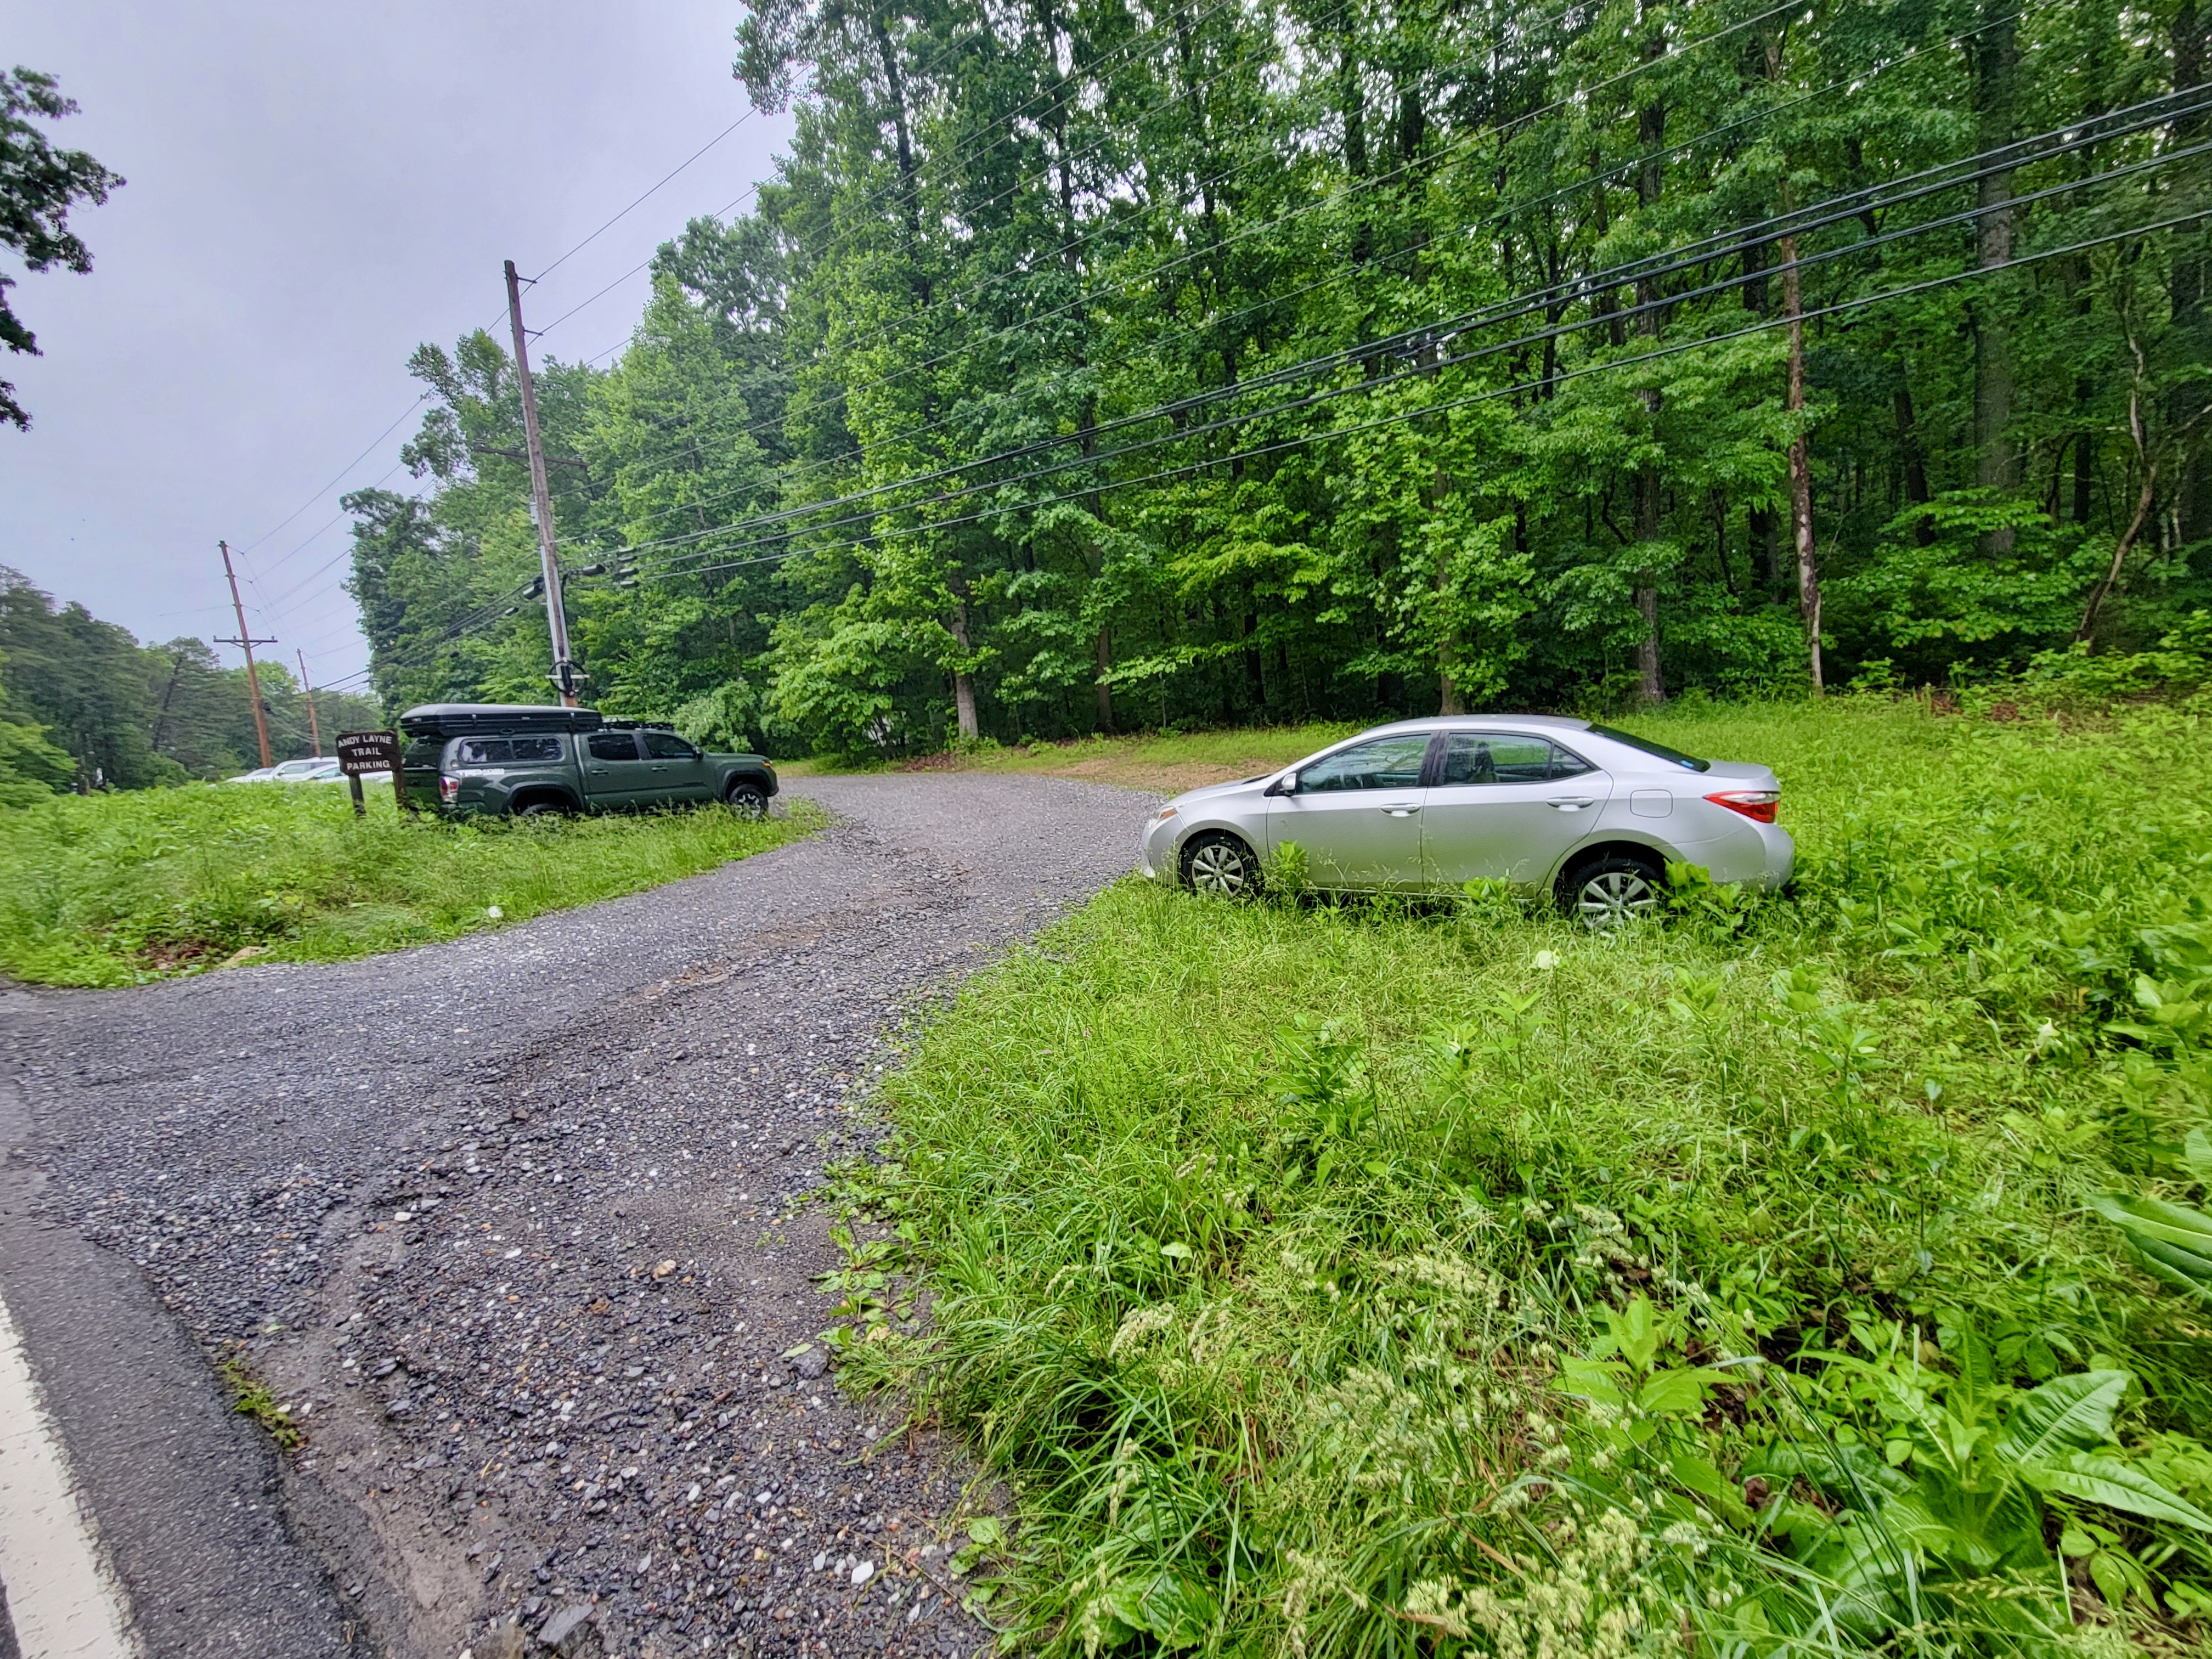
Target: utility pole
564 674
314 731
246 643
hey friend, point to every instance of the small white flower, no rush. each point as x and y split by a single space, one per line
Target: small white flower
494 912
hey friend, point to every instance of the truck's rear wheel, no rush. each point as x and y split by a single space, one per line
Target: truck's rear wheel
543 809
747 800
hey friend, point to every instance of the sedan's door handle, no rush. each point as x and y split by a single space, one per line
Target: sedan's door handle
1400 812
1572 803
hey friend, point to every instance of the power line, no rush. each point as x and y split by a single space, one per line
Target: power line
751 111
334 483
1431 336
966 150
1490 395
1401 417
2152 112
1435 161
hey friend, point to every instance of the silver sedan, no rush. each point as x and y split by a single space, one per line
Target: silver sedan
1548 805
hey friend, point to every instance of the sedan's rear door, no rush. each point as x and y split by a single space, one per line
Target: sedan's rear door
1504 806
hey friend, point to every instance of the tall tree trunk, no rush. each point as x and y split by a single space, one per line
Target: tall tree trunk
1997 67
909 191
963 682
1801 472
1651 135
1916 457
1104 690
1760 527
2193 491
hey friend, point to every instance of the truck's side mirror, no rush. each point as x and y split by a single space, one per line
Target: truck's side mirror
1285 785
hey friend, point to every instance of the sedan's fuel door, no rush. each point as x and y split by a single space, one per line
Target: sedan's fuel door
1505 806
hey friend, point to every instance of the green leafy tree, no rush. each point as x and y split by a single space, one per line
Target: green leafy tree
38 185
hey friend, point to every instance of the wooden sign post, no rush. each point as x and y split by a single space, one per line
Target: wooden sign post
371 751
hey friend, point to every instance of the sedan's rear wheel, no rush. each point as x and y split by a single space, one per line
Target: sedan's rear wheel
1221 864
1611 893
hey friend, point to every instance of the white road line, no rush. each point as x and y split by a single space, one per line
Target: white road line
64 1603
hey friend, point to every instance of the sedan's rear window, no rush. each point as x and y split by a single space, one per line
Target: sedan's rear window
1504 758
1657 750
506 751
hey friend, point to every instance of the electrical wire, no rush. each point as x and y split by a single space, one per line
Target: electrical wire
1348 271
1436 160
486 614
1645 270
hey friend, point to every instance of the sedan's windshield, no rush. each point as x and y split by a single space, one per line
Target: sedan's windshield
1657 750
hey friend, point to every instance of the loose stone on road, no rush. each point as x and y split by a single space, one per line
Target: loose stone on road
502 1223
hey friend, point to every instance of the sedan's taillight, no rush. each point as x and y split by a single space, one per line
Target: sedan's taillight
1755 804
449 790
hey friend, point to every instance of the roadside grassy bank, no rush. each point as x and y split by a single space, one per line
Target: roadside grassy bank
1355 1280
111 890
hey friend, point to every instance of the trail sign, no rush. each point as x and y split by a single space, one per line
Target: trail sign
371 751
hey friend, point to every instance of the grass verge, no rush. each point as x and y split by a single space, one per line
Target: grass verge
110 889
1351 1280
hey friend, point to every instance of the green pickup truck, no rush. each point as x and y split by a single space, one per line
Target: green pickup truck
501 760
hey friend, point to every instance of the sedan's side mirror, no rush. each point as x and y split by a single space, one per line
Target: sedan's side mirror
1285 785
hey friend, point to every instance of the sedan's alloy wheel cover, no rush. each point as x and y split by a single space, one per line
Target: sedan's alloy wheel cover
1615 899
1217 867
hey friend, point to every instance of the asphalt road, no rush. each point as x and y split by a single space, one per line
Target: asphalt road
502 1223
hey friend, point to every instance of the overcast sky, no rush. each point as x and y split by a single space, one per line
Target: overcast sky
313 191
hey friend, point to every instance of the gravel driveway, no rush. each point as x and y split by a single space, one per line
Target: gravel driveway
503 1222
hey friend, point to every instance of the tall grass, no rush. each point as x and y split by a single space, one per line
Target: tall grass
1357 1279
108 890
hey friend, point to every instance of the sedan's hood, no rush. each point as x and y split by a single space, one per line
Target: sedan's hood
1215 791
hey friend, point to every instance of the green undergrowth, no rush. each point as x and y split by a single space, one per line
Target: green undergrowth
109 890
1360 1280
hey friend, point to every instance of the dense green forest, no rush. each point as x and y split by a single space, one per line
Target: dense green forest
1086 365
83 705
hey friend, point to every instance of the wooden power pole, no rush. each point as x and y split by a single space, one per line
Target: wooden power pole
315 728
246 643
564 674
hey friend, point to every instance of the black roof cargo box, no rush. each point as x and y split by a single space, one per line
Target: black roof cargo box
454 720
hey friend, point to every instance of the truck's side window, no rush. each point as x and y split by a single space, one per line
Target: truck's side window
504 751
666 746
613 745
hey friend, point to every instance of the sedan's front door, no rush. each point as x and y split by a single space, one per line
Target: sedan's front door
614 769
678 771
1505 806
1356 813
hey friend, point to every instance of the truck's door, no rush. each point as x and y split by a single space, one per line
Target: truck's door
614 770
678 771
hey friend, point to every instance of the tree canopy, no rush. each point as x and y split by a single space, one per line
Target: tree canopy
38 185
1085 365
83 705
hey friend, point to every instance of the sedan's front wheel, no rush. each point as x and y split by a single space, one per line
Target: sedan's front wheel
1221 864
1611 893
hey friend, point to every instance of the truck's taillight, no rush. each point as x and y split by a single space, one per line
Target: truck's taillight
1757 804
449 790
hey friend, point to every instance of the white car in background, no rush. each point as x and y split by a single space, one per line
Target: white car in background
319 768
1587 814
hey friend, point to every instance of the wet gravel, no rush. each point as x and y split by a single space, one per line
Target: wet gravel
514 1227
